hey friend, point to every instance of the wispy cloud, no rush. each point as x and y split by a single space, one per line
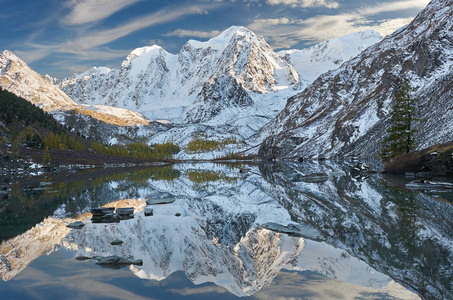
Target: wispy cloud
193 33
87 11
91 44
285 33
393 6
305 3
98 38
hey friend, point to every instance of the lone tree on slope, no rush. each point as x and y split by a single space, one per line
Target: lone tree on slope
400 135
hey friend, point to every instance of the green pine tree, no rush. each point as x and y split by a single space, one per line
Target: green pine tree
400 135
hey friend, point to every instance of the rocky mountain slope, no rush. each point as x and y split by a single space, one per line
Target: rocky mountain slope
98 121
346 111
17 77
312 62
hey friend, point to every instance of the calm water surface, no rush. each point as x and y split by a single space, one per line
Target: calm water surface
355 237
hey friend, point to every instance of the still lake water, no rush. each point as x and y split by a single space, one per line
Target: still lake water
358 237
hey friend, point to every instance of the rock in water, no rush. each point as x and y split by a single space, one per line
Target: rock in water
315 177
125 211
160 201
149 211
116 242
299 230
83 258
76 225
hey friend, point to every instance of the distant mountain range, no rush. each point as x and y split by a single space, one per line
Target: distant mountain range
330 100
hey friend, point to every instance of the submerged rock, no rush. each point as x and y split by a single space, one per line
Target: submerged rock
297 230
160 201
116 242
149 211
76 225
315 177
83 258
422 184
116 262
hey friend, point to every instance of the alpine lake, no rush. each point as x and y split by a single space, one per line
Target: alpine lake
226 231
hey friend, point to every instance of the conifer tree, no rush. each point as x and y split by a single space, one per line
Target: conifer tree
46 159
400 135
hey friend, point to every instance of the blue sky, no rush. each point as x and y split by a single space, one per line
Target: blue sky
65 37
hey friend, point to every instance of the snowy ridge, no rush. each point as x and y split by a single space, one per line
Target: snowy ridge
18 78
345 111
230 85
310 63
162 86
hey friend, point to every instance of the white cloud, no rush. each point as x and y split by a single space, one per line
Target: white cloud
193 33
90 44
87 11
285 33
99 38
305 3
393 6
33 55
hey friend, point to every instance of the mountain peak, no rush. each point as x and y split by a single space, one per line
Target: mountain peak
221 41
236 30
146 50
7 53
17 77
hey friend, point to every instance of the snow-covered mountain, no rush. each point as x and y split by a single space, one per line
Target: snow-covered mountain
192 85
104 123
346 111
312 62
18 78
230 77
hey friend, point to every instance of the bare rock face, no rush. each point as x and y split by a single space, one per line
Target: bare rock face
217 94
346 111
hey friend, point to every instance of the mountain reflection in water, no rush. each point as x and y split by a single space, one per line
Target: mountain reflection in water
375 231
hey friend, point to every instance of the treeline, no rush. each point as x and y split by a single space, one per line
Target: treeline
31 138
13 107
138 149
201 143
